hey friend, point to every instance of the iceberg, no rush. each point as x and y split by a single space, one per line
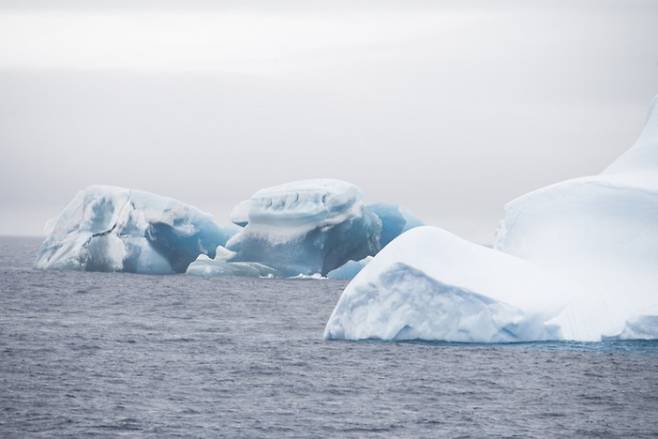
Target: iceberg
395 220
107 228
205 266
599 233
305 227
313 227
572 261
431 285
220 265
639 328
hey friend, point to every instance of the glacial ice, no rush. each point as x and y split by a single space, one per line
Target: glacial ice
599 233
429 284
349 269
220 265
107 228
305 227
395 220
640 328
576 260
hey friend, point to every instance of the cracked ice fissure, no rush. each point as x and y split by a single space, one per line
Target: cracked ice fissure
104 354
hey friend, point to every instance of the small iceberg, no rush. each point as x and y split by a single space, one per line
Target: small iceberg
108 228
220 265
311 226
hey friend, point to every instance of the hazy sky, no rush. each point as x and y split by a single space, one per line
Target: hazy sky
449 108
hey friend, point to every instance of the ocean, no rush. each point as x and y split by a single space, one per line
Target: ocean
124 355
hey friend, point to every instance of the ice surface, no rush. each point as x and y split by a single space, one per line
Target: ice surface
313 227
395 220
576 260
429 284
306 227
640 328
212 267
107 228
220 265
599 234
349 269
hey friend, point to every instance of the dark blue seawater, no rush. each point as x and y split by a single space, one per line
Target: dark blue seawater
107 355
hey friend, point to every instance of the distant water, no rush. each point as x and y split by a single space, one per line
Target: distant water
106 355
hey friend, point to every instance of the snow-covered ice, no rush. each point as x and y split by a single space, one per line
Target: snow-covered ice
598 233
432 285
306 227
107 228
576 260
640 328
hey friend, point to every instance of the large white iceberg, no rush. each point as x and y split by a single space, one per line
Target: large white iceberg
107 228
305 227
576 260
600 234
432 285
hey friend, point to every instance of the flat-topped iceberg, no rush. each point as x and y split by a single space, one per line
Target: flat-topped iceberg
431 285
306 227
107 228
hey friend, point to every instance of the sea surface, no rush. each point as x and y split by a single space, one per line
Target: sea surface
124 355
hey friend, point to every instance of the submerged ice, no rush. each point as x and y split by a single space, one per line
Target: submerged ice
576 260
107 228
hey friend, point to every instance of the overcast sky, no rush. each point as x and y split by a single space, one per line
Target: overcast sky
449 108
